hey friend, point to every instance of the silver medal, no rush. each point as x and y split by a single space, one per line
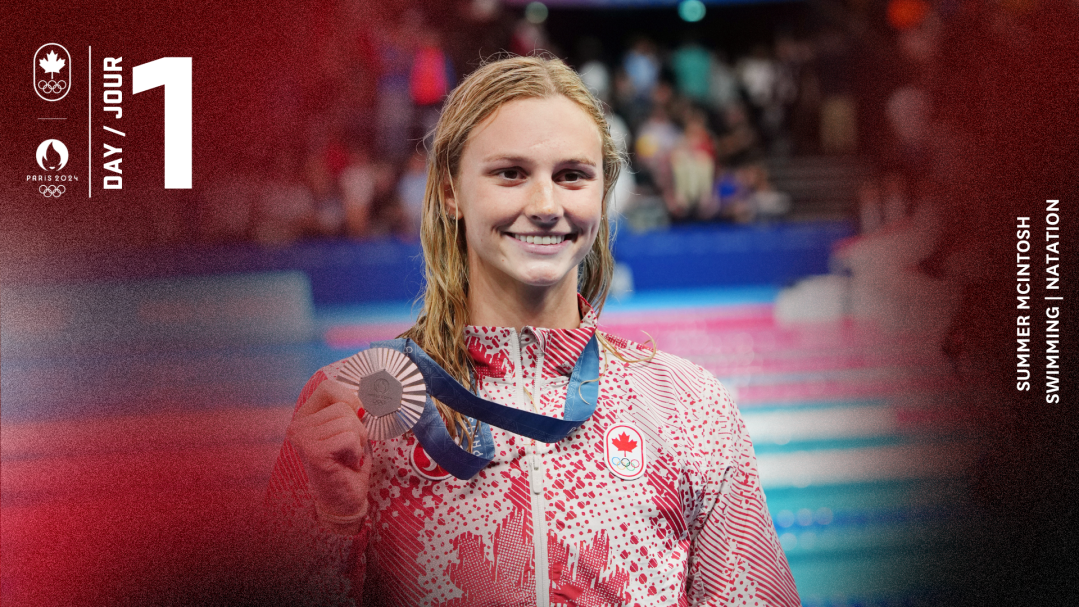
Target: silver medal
391 388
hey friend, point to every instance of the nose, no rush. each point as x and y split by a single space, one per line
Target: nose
542 206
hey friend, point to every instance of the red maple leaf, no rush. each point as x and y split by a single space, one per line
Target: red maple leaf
509 579
596 579
623 444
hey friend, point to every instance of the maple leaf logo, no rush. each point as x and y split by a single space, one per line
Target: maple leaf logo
52 64
623 443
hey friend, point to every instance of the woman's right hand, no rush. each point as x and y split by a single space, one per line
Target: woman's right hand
332 444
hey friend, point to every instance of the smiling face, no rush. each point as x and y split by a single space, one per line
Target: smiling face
529 189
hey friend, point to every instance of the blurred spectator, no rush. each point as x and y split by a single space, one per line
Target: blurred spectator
759 75
745 194
357 183
692 66
394 105
804 119
593 71
738 142
838 111
597 79
619 130
320 174
693 163
622 197
769 89
641 65
411 190
723 87
656 139
792 58
730 193
764 201
387 215
430 80
633 109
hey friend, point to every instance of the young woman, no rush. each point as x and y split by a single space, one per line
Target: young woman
653 499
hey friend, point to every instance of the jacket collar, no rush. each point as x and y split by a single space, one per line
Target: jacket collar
491 348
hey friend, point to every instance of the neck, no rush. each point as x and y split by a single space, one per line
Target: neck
493 304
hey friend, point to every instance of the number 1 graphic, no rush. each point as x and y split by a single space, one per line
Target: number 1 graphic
173 73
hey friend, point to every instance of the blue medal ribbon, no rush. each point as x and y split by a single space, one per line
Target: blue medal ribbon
430 430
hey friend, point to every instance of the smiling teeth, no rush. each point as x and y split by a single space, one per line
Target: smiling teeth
540 239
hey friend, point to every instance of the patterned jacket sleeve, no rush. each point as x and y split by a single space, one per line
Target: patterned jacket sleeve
736 558
318 567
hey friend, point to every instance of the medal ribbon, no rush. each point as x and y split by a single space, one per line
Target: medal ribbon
581 396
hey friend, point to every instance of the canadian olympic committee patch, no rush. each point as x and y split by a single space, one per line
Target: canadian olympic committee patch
624 452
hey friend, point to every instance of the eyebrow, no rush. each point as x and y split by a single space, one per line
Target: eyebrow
523 160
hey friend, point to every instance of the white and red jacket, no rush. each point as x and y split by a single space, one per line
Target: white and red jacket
551 524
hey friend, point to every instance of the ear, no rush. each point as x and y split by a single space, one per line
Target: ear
449 201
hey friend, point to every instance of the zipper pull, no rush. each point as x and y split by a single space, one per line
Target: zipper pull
535 478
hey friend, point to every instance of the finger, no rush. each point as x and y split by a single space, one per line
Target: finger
335 418
328 392
344 449
331 412
318 446
336 425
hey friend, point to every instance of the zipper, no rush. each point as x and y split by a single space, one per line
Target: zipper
535 484
539 533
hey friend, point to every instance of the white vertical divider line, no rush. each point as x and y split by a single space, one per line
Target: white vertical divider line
89 123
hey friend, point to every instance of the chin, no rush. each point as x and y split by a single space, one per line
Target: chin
540 282
542 279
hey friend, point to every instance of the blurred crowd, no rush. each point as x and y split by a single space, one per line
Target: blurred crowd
698 128
344 155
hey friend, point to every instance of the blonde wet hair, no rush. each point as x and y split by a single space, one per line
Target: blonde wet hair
440 328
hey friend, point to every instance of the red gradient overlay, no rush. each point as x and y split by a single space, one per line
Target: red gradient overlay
155 509
163 508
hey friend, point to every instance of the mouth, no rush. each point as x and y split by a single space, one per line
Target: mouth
544 239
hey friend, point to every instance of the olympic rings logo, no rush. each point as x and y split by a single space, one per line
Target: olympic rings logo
625 464
52 87
51 191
